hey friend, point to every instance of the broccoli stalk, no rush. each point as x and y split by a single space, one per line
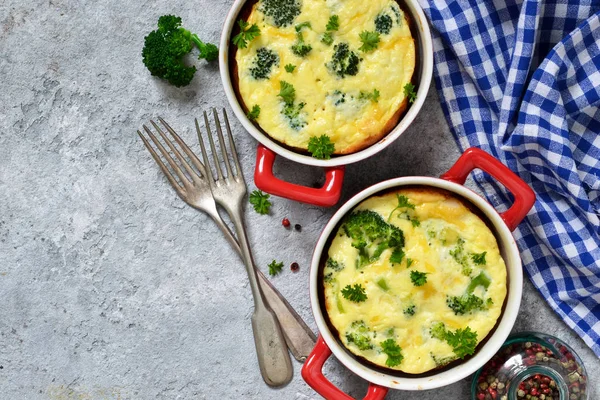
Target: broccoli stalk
165 48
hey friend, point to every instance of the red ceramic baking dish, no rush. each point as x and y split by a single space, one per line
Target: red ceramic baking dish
501 224
268 149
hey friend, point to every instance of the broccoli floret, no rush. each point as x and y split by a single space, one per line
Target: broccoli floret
300 48
293 113
359 334
165 47
344 61
281 12
410 310
467 303
438 331
334 265
441 361
383 23
371 235
263 63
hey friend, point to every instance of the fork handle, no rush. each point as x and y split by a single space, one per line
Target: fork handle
271 350
299 337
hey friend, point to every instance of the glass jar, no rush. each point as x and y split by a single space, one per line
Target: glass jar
532 366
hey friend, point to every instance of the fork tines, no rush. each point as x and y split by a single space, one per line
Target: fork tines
237 174
180 179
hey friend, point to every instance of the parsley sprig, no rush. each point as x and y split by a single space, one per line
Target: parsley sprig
369 40
275 267
287 92
463 341
409 92
332 25
321 147
246 34
393 351
354 293
418 278
254 113
260 201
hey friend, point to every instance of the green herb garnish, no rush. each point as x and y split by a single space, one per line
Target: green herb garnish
409 91
254 113
275 267
354 293
463 341
369 40
246 34
403 202
393 351
260 201
287 92
418 278
321 147
333 24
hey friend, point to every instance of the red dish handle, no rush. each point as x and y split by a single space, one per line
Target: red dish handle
312 372
326 196
476 158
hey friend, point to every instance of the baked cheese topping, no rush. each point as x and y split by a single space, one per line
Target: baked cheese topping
414 280
341 90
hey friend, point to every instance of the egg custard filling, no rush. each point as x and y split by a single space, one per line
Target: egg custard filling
334 68
413 280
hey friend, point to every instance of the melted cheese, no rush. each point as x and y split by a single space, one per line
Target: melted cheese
352 122
444 224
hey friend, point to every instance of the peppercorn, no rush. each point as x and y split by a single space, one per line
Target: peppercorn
285 222
298 227
294 267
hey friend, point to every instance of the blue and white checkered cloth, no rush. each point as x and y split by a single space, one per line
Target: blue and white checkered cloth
521 80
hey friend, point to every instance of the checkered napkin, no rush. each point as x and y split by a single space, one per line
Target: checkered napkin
521 80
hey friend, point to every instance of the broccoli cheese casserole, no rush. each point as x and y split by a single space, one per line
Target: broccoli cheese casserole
413 280
325 76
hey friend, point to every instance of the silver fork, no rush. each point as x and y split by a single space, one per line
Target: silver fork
195 190
273 358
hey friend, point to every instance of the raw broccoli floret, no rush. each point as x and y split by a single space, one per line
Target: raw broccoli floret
263 63
383 23
281 12
344 61
165 48
371 235
359 335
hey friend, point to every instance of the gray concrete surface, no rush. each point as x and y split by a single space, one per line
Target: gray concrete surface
110 286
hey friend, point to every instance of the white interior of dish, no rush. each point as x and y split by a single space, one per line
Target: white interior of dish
508 249
425 48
